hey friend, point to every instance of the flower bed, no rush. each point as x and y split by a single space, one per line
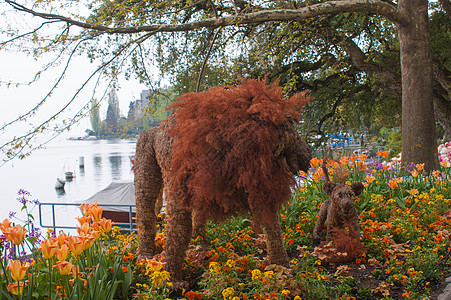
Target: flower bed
405 221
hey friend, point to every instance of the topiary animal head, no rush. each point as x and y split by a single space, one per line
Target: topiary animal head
343 195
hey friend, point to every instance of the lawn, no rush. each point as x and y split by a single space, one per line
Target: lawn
405 221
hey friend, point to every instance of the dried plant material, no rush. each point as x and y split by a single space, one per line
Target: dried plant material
383 289
342 270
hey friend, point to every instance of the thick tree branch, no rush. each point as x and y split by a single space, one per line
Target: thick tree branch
386 76
380 7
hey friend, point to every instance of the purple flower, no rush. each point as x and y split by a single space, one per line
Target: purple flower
11 214
23 192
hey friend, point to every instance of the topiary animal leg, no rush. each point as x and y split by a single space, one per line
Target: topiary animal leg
148 186
274 240
178 236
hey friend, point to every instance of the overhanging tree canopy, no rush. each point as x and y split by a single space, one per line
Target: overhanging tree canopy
114 30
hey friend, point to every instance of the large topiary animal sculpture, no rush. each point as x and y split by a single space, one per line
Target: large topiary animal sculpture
227 151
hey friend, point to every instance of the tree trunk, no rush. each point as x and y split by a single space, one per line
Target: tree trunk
418 127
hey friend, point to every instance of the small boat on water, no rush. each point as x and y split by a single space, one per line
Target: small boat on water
69 175
59 185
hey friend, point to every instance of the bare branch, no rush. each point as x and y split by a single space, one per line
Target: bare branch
206 59
380 7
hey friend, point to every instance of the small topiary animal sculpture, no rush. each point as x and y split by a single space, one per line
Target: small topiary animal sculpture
223 152
338 210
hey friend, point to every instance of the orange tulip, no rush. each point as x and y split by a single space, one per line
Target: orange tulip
154 265
420 167
412 192
48 248
18 270
75 271
314 162
436 173
383 154
84 229
5 225
62 239
96 213
85 208
398 180
61 253
88 241
64 267
344 160
393 184
414 173
352 158
106 225
95 235
95 226
83 219
363 157
75 245
16 288
369 178
16 234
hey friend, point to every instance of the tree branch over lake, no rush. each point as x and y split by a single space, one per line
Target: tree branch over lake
117 24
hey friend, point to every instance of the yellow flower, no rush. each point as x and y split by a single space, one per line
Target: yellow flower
214 267
227 293
256 274
231 263
285 292
268 274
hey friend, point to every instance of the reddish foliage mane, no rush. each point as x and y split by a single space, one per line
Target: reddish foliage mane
223 152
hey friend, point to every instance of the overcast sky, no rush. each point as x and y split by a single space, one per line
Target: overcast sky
14 100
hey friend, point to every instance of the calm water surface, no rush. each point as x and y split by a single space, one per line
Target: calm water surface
104 160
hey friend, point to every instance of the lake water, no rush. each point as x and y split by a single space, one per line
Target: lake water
104 161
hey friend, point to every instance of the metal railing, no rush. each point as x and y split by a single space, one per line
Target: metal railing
130 225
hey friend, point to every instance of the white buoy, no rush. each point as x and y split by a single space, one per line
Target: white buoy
81 161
